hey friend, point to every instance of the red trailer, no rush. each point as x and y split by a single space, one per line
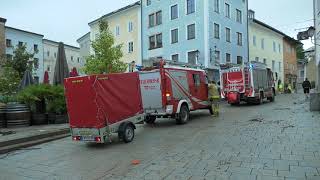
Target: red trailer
100 105
251 82
172 91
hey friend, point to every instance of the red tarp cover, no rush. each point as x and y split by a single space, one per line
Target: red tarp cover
100 100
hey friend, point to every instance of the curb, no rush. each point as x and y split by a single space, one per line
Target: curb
17 144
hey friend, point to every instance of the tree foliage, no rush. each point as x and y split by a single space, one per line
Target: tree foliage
300 51
9 81
106 57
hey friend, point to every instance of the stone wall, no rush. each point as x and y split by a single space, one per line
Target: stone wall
2 36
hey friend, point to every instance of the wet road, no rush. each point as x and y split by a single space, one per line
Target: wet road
278 140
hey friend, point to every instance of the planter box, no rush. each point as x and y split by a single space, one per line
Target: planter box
39 119
57 119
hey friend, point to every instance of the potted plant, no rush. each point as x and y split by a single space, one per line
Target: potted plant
35 97
57 110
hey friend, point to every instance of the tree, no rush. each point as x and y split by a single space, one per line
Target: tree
106 57
20 62
300 51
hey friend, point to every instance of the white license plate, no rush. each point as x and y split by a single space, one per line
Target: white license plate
87 138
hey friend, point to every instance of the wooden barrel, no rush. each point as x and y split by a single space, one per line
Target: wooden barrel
3 123
18 115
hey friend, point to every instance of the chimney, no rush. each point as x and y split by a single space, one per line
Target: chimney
251 14
2 36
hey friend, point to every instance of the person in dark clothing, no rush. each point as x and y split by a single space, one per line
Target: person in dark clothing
306 87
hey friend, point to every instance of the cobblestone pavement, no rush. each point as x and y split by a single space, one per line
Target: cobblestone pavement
273 141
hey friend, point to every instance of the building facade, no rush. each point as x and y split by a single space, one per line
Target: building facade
317 39
290 61
203 33
266 46
2 37
50 50
32 41
84 44
125 24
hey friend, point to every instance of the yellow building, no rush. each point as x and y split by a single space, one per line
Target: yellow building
125 24
266 46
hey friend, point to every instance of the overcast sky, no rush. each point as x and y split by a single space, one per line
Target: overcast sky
67 20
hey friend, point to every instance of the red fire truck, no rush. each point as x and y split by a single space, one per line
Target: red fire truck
173 91
252 82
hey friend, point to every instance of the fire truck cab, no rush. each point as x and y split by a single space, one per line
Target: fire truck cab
172 92
252 82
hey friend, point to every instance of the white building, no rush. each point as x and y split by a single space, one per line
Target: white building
84 44
50 50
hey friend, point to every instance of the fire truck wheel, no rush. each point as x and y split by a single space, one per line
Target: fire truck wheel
184 115
127 132
150 119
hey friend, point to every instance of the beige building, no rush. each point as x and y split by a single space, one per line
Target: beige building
2 36
50 50
266 46
125 24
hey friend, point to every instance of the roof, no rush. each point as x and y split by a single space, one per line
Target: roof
310 49
24 31
55 42
115 12
82 37
285 36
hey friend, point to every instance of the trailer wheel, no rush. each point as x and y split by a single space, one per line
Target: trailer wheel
126 132
150 119
184 115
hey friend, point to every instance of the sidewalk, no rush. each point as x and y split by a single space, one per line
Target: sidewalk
17 138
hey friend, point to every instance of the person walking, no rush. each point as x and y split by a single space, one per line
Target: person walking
214 98
306 85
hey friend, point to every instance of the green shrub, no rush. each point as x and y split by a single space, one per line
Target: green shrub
56 100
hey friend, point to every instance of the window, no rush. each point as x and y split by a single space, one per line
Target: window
174 36
279 66
175 57
264 60
196 79
117 30
216 31
239 39
191 30
262 43
48 68
158 17
274 46
216 6
148 2
20 43
36 79
190 6
228 35
9 57
239 16
227 10
174 12
151 20
48 53
55 54
78 59
36 63
239 59
273 65
155 41
217 56
35 47
228 57
257 59
254 39
71 58
301 73
130 47
279 48
192 57
8 43
130 26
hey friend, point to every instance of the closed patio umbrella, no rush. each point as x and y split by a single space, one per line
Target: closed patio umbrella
27 80
46 78
61 70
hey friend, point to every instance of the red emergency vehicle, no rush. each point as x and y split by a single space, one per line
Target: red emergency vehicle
100 105
252 82
173 91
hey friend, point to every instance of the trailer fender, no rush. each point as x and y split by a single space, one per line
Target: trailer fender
180 104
